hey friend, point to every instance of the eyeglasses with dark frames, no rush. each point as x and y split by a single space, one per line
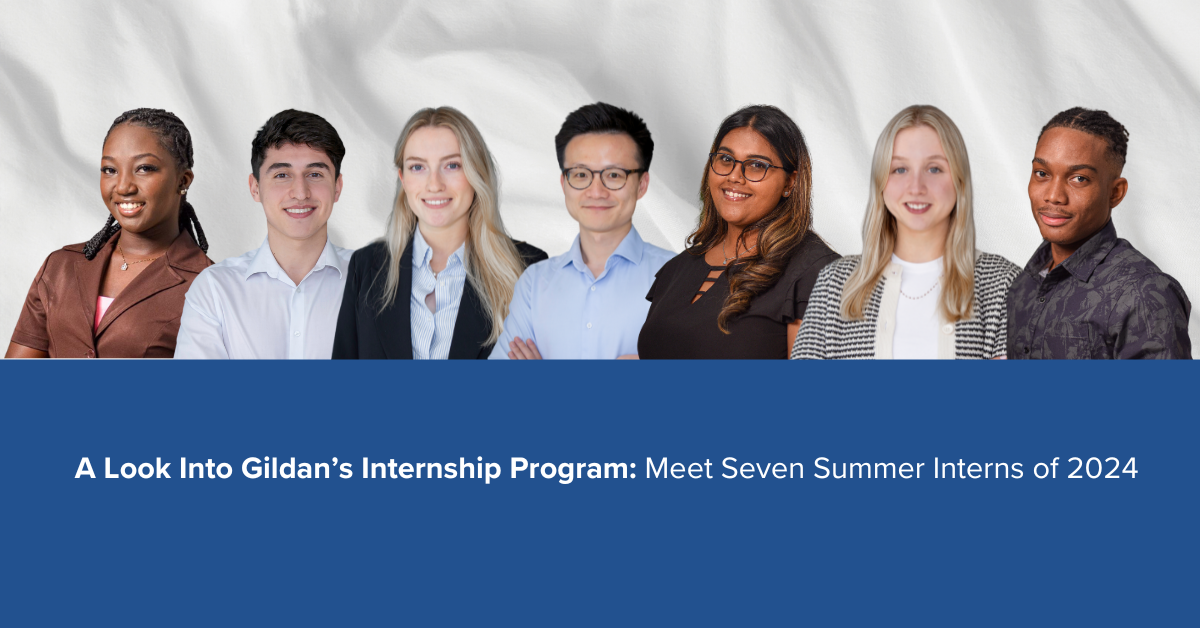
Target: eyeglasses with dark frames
752 169
613 178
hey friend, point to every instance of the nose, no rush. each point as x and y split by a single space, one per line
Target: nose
916 184
1056 192
596 188
433 183
300 188
126 186
738 175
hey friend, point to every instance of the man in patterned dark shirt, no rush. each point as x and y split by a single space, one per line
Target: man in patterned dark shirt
1087 294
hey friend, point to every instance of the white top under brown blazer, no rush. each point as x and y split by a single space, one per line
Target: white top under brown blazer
825 335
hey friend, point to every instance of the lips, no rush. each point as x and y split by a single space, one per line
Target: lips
917 208
734 196
435 203
130 208
300 211
1053 219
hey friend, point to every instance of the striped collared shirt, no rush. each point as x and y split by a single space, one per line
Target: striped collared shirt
433 331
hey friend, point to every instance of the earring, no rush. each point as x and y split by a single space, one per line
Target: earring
183 191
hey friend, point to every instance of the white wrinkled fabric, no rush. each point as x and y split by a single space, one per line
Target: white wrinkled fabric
1000 69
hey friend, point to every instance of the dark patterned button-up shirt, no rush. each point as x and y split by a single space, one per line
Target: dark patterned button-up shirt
1106 301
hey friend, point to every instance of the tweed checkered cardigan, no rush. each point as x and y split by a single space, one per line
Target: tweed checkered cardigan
825 335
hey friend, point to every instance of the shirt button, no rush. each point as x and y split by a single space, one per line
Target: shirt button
1041 299
1026 350
589 325
593 288
296 334
948 328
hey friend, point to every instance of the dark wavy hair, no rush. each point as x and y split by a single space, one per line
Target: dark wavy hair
297 127
176 139
780 231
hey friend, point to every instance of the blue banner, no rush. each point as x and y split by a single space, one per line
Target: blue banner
272 493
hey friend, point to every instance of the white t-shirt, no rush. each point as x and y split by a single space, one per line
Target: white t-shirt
917 319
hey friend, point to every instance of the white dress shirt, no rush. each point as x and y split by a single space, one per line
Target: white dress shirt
248 307
433 331
571 314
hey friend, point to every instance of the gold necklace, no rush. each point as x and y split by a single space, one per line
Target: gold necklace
729 259
125 263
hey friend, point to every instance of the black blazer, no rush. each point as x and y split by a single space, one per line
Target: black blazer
365 333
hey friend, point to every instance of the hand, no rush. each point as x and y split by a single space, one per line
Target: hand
521 350
628 356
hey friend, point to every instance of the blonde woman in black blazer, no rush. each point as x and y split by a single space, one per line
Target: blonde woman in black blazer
447 213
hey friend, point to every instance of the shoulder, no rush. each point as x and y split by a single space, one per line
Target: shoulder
656 256
343 254
810 256
1140 277
677 263
991 268
529 253
370 257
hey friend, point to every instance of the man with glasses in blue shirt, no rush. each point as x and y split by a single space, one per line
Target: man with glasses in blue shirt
590 302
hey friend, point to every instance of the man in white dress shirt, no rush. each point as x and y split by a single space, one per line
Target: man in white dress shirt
590 302
281 300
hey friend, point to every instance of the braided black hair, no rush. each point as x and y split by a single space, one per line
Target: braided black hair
1096 123
174 137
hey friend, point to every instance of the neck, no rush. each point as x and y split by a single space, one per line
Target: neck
297 257
732 249
153 241
918 247
1060 252
597 247
444 241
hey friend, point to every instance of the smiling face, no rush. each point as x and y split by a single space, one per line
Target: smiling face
297 188
435 183
1074 186
739 201
920 190
139 180
598 209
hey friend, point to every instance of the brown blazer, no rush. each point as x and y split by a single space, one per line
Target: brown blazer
142 322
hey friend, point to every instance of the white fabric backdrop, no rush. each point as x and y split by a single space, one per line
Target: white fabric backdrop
841 70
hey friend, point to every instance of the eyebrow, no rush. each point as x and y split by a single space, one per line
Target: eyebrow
759 157
415 158
1039 160
282 165
135 157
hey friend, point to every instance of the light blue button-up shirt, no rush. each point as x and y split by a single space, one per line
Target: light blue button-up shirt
433 331
571 314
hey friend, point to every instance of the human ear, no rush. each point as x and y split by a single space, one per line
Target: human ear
254 189
1117 193
643 184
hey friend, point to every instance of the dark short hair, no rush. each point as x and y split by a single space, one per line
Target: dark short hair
1093 122
602 117
297 127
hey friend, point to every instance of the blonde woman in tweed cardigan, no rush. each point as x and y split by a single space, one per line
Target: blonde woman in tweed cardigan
919 289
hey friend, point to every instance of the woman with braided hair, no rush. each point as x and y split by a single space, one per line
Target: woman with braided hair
741 287
120 294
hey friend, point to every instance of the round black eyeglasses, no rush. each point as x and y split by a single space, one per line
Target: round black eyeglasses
752 169
613 178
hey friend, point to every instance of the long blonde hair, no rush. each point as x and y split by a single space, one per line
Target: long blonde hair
879 226
493 263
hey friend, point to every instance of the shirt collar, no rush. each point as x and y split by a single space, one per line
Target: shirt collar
264 261
1083 262
423 253
630 248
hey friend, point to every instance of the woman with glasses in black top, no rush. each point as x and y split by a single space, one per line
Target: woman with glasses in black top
740 288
